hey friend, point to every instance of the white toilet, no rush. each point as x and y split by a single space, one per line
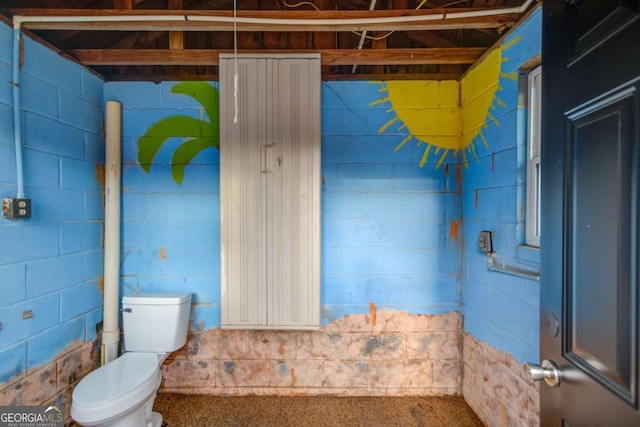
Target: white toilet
121 393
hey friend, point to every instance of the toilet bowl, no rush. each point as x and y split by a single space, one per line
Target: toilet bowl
121 393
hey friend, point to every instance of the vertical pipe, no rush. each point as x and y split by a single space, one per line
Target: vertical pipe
17 125
111 332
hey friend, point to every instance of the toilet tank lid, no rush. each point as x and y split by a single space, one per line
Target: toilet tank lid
157 298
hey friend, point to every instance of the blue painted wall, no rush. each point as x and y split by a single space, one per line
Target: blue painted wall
50 264
502 309
388 226
385 221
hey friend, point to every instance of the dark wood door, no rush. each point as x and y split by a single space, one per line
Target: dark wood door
590 227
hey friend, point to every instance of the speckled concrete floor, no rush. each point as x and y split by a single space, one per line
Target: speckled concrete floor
317 411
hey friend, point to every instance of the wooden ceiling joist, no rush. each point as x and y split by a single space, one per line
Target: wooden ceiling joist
157 40
328 56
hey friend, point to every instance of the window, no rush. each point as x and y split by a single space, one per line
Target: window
534 110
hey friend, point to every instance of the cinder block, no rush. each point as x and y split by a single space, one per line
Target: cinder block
343 204
34 389
47 345
350 374
181 261
187 376
41 169
133 95
296 373
242 373
6 40
80 113
80 300
80 237
28 242
94 147
205 317
14 364
53 274
203 233
92 88
45 311
6 126
38 96
94 205
93 318
50 66
13 289
52 136
94 264
261 345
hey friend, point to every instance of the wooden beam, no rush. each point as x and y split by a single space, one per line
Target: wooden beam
325 76
324 40
176 38
328 56
379 42
285 20
123 4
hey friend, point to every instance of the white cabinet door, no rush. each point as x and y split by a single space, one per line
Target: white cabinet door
270 191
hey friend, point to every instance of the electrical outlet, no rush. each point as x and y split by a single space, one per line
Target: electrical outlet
14 208
485 241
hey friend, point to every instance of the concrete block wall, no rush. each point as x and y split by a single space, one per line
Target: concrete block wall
390 228
393 238
385 353
170 232
501 320
50 264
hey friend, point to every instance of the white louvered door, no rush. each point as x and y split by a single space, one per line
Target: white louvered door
270 192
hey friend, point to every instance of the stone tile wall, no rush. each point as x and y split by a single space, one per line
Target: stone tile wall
494 386
382 353
53 383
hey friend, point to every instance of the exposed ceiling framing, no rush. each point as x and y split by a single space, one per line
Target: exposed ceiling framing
181 39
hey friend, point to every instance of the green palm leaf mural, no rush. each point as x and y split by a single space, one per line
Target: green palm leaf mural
198 134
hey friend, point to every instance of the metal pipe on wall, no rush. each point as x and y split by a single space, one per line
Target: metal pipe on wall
17 123
111 331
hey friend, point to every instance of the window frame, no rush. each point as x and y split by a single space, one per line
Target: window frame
533 199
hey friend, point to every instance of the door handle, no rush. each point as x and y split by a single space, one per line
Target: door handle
548 372
265 158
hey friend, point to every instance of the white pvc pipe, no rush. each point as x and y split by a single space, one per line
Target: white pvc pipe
111 331
17 123
443 16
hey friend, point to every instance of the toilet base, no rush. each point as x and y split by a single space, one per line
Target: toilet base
156 420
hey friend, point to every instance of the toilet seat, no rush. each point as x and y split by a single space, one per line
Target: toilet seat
115 388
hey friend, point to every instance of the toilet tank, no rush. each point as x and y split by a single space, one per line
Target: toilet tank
155 322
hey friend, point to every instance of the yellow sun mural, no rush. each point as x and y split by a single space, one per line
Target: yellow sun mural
447 116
